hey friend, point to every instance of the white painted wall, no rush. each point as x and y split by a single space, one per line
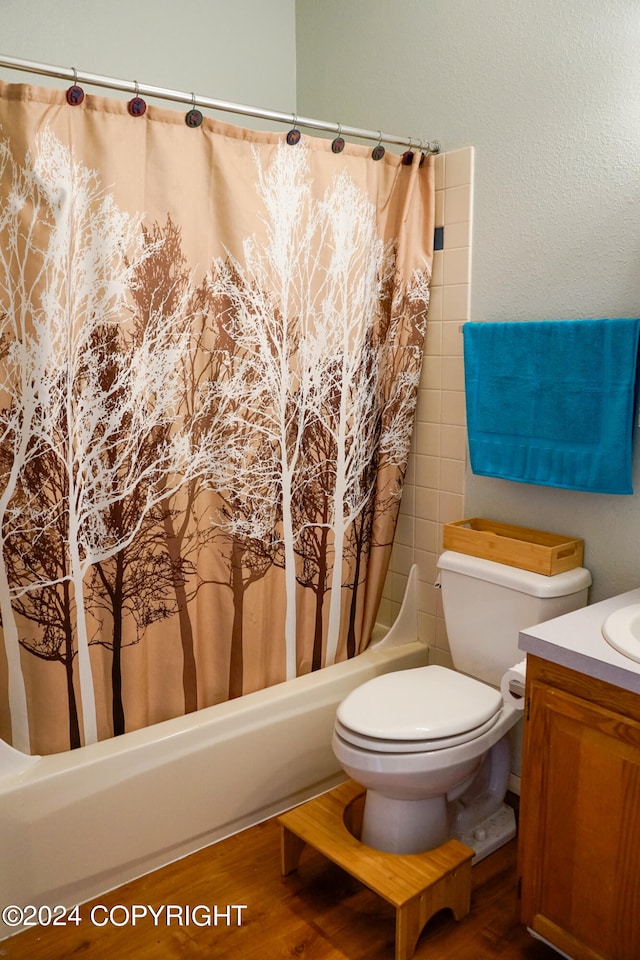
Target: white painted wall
548 93
242 51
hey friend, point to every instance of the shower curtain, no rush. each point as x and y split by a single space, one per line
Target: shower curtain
210 348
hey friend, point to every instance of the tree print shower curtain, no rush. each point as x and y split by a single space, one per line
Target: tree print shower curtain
210 348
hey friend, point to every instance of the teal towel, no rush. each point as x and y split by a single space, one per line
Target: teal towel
553 402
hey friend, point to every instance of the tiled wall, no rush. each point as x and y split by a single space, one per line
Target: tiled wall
434 490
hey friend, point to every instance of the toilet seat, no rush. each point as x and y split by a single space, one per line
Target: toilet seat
379 745
418 710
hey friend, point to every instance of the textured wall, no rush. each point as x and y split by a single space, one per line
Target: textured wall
242 51
549 96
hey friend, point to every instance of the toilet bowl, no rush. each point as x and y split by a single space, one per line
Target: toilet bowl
417 740
431 744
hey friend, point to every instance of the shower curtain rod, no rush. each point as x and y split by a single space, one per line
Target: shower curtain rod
142 90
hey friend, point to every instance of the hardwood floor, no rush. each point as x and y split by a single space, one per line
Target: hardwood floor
319 913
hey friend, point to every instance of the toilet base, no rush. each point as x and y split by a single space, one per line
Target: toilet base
491 833
404 826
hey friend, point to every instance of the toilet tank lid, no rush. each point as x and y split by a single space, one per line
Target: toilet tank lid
533 584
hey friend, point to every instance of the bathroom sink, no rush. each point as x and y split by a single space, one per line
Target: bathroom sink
622 630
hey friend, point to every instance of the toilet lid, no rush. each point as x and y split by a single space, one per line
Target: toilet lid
422 704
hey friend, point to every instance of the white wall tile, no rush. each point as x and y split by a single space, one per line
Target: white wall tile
437 464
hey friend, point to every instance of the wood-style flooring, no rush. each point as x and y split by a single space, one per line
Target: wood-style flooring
318 913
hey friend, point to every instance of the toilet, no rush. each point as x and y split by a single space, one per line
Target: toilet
431 744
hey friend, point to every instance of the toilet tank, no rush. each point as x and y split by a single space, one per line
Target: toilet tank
486 604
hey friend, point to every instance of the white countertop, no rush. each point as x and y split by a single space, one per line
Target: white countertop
575 640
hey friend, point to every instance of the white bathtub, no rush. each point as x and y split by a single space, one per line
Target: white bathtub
77 824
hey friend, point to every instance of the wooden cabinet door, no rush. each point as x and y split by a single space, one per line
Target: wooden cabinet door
580 827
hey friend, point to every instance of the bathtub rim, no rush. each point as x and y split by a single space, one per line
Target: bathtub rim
15 764
53 807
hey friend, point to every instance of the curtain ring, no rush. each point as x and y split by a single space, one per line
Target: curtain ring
378 151
407 156
75 93
193 117
337 145
294 134
136 106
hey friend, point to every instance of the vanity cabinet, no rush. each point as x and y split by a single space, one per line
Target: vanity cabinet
579 830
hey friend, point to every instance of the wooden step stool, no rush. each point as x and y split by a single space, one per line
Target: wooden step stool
416 884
